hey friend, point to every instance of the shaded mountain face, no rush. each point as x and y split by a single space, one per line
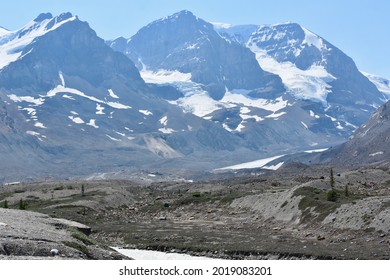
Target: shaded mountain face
369 145
70 105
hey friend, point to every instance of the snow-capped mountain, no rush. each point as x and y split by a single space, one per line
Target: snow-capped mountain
181 94
72 105
313 69
321 99
187 44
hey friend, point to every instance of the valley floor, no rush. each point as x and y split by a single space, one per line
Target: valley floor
275 215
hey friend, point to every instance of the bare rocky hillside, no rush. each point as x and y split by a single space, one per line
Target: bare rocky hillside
281 215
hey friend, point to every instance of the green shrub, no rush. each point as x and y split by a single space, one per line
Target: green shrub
59 188
331 195
83 238
196 194
19 191
77 246
346 191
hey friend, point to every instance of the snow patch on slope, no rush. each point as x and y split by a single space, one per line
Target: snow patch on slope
234 98
92 122
164 120
166 130
39 125
62 79
28 99
312 39
145 112
112 94
164 76
198 102
62 89
36 134
113 139
382 84
76 120
310 84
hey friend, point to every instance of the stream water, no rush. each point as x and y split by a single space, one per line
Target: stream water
156 255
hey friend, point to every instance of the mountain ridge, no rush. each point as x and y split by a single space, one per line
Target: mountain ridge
307 64
74 106
69 95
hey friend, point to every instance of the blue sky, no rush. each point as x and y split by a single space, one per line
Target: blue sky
360 28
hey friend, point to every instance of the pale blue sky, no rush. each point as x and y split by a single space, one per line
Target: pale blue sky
361 28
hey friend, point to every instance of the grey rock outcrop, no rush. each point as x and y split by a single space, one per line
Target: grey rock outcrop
30 235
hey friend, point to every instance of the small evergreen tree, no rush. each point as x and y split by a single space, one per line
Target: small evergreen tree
5 203
82 190
332 194
331 179
22 204
346 191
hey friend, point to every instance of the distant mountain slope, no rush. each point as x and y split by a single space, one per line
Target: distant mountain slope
381 83
369 145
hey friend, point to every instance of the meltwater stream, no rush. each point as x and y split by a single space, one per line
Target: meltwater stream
156 255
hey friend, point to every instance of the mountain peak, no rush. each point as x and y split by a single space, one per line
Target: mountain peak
15 41
183 13
183 25
64 16
43 17
180 17
48 16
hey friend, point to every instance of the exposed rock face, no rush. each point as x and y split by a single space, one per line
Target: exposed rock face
30 235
